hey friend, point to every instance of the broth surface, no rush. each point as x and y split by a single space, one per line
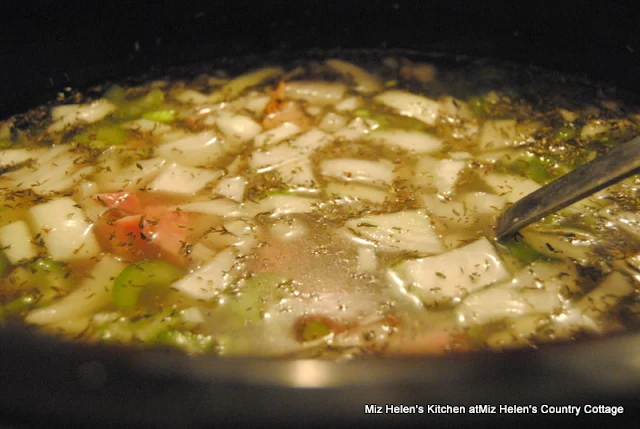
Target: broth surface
318 208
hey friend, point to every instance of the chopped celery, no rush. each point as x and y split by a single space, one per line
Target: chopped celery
541 169
24 302
478 106
131 280
131 109
146 328
251 299
186 340
50 277
565 133
5 144
160 115
314 330
522 251
113 135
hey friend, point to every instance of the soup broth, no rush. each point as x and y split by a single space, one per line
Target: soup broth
317 208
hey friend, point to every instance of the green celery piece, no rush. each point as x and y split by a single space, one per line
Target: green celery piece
112 135
136 108
50 277
6 144
160 115
19 304
478 106
314 330
256 294
522 251
188 341
135 277
565 133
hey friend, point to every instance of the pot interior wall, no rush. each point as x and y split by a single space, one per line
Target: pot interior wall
50 45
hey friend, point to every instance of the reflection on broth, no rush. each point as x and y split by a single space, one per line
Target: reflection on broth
317 208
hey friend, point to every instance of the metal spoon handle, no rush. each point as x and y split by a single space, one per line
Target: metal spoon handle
619 163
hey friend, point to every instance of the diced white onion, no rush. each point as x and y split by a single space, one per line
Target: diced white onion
409 230
452 275
277 134
178 179
206 282
93 294
11 157
319 93
359 170
407 104
232 188
65 230
238 127
72 114
412 141
364 81
194 150
16 242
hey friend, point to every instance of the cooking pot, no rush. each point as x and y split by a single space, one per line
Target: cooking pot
49 46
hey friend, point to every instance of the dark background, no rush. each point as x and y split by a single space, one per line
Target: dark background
49 44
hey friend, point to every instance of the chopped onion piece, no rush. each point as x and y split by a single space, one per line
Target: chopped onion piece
356 129
11 157
16 242
207 282
409 230
367 261
132 177
363 80
483 203
599 302
411 105
178 179
452 214
450 276
412 141
500 133
147 126
282 204
351 192
232 188
257 104
236 86
190 96
195 150
57 170
66 231
298 175
277 134
240 234
332 122
220 207
359 170
348 104
319 93
238 127
510 187
93 294
498 303
72 114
